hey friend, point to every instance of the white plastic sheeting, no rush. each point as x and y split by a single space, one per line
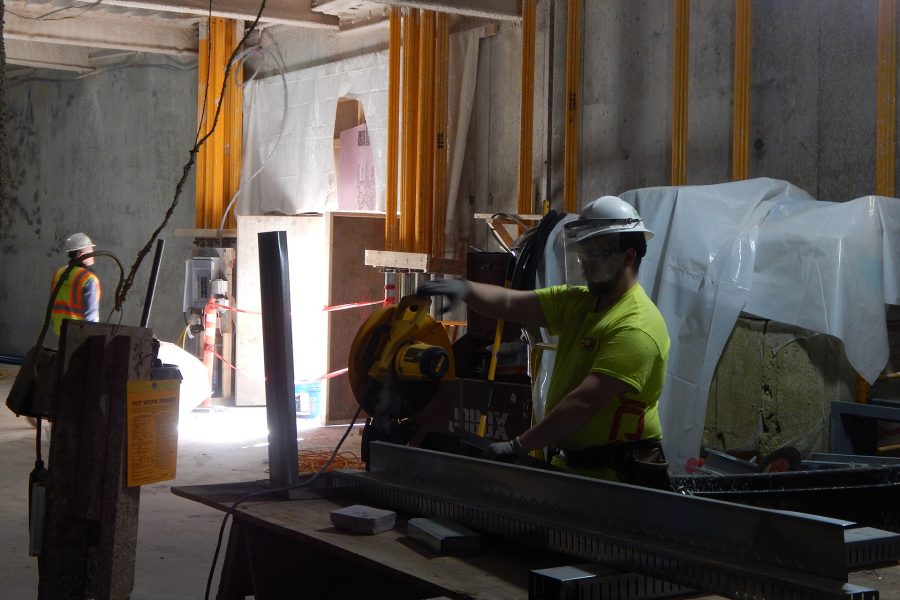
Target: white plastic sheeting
764 247
300 175
195 385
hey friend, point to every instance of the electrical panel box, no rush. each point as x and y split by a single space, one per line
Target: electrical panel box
199 272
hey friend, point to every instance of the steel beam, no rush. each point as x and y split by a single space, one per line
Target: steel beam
285 12
278 355
47 56
510 10
160 36
867 547
737 551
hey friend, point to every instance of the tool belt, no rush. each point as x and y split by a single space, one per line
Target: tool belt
638 463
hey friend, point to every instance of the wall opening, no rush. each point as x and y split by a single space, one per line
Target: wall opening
354 164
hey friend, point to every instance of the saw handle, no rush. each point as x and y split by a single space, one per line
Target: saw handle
409 316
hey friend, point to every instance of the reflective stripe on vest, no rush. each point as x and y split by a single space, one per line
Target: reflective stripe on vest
69 302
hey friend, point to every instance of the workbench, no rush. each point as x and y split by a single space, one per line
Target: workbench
281 548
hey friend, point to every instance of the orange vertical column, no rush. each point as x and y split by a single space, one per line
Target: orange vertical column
680 91
408 135
425 131
219 159
740 127
391 233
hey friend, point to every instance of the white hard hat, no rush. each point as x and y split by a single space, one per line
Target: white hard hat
605 215
77 241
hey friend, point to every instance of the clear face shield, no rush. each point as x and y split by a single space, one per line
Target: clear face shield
593 258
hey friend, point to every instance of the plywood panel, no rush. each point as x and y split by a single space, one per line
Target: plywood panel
350 235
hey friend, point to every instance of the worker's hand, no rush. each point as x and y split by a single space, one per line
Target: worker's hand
512 448
455 289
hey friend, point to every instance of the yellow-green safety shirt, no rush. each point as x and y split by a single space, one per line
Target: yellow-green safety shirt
628 341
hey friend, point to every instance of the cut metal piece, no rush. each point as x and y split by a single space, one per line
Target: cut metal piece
598 582
867 547
737 551
719 463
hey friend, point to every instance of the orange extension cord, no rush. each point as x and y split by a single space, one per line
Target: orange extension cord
313 460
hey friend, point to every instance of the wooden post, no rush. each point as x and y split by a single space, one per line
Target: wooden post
92 517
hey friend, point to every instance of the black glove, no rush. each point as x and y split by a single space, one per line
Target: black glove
498 449
455 289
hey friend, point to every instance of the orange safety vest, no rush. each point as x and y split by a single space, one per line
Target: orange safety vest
69 302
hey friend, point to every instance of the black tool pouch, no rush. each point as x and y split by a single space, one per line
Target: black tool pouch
647 467
33 389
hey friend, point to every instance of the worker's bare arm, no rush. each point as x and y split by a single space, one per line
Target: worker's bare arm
520 306
574 411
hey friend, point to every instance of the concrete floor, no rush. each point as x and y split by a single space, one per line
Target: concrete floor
176 537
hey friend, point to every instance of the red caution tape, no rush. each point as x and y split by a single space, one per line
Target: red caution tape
351 305
236 309
324 308
331 375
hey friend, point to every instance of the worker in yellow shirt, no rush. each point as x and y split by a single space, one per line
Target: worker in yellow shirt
602 402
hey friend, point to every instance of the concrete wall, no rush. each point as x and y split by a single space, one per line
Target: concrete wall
100 155
812 100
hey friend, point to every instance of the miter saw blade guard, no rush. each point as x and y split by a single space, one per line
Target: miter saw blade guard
397 361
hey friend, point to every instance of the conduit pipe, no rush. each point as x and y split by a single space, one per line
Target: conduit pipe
526 117
391 233
740 117
680 91
886 99
573 101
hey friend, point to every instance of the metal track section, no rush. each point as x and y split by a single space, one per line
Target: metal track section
598 582
867 547
737 551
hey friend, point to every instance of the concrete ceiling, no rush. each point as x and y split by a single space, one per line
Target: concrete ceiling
75 36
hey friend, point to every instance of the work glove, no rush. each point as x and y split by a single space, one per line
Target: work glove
456 290
512 448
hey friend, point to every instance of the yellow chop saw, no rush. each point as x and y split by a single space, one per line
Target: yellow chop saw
397 361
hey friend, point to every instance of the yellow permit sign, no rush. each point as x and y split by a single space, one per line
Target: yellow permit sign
152 442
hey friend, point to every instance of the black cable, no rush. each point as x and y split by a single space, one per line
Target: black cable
44 16
208 62
531 253
265 492
129 281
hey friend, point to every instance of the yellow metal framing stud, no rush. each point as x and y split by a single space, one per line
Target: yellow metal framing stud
219 159
425 131
740 116
408 149
391 234
680 91
441 86
886 98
